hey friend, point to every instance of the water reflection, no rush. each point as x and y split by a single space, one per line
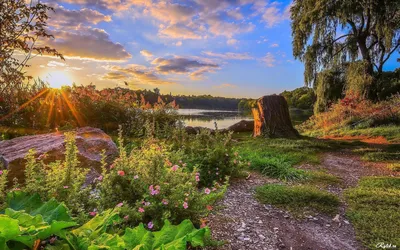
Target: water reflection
224 119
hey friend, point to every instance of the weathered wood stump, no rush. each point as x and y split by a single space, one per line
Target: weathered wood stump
272 118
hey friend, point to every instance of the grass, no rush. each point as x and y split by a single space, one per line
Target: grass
276 158
374 210
391 133
387 153
321 179
298 199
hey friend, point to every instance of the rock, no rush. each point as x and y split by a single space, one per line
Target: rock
272 119
90 142
337 218
242 126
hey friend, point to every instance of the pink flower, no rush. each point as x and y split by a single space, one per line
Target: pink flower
197 178
146 204
184 165
1 172
17 189
112 166
52 240
66 187
234 161
136 177
175 167
185 205
169 163
126 217
100 178
154 191
165 202
92 213
141 210
121 173
207 191
150 225
120 204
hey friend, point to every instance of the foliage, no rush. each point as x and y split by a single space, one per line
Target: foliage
353 113
3 183
301 98
154 183
327 34
373 210
329 88
211 153
23 27
298 199
98 234
27 220
61 180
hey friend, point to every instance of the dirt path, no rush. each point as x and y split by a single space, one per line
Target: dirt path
244 223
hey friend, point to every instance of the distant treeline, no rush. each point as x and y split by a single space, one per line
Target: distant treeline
300 98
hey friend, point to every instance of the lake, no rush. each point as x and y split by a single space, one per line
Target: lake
225 118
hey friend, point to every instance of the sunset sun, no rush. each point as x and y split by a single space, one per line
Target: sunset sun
57 79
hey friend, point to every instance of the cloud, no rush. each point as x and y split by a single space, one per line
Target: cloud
171 12
218 26
135 73
224 86
178 44
269 60
115 5
87 43
229 55
231 41
180 65
72 18
274 45
55 64
180 32
146 54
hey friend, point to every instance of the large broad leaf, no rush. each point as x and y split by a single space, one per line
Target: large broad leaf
34 219
32 204
176 237
138 237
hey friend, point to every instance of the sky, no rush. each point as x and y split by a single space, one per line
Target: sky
232 48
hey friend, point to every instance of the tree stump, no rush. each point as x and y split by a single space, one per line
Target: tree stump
272 119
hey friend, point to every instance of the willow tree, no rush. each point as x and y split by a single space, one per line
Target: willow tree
328 33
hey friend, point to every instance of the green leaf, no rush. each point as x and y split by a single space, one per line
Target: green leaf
138 237
19 200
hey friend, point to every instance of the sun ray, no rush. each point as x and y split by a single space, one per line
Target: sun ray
76 114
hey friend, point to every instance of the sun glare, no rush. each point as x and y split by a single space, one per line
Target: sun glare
57 79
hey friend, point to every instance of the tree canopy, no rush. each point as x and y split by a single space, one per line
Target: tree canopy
327 33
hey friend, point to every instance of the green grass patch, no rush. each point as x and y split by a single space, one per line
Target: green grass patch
374 209
277 157
321 178
299 199
381 156
394 167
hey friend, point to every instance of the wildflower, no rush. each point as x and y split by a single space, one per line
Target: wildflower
66 187
217 173
214 189
184 165
100 178
150 225
207 191
141 210
136 177
112 166
209 207
120 204
164 201
234 161
185 205
175 167
121 173
154 191
146 204
1 172
169 163
93 213
197 178
17 189
180 161
126 217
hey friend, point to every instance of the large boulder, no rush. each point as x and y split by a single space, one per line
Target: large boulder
90 142
242 126
272 118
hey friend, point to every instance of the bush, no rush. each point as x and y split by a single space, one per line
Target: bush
212 154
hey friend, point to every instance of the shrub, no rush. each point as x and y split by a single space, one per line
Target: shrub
29 222
211 153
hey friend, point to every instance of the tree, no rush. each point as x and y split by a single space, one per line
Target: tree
22 26
328 33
